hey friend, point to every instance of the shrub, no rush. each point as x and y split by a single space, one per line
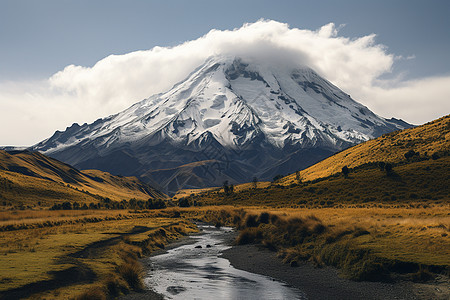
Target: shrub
319 228
184 202
264 218
389 169
156 204
248 235
114 287
410 154
435 156
345 171
251 221
226 189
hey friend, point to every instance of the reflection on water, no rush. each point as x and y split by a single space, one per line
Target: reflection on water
191 272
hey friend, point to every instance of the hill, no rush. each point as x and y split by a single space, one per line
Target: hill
28 178
421 177
415 184
425 141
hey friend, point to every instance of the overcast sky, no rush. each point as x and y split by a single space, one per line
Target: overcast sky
75 61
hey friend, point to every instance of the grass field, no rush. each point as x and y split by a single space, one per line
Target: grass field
93 254
93 251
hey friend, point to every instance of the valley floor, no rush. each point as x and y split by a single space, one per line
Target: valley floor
93 254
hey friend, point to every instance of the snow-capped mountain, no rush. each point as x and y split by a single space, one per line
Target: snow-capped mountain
230 119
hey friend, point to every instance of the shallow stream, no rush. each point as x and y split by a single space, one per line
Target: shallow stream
197 271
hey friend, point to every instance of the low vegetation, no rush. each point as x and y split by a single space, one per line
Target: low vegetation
364 243
29 180
416 184
85 254
428 141
94 254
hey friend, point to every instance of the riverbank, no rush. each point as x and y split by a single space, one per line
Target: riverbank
81 255
317 283
323 283
199 271
145 262
148 293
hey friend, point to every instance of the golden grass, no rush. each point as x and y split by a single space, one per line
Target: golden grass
36 178
8 217
363 242
336 236
237 188
412 235
426 139
420 183
33 255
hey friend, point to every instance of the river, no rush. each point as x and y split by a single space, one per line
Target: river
197 271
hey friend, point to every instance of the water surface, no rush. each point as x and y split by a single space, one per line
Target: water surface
191 272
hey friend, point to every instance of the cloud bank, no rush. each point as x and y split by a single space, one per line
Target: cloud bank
33 111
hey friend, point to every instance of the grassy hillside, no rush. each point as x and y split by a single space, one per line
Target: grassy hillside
28 178
236 188
425 140
425 144
419 177
418 183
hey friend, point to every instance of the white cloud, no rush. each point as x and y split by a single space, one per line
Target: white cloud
417 101
32 112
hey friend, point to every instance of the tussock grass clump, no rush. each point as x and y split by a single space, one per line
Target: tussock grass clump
264 218
355 264
131 271
223 217
115 286
276 232
289 255
94 293
251 221
249 235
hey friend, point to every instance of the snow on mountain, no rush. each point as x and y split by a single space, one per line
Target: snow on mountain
234 106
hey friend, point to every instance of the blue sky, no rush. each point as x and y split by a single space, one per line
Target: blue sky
41 38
